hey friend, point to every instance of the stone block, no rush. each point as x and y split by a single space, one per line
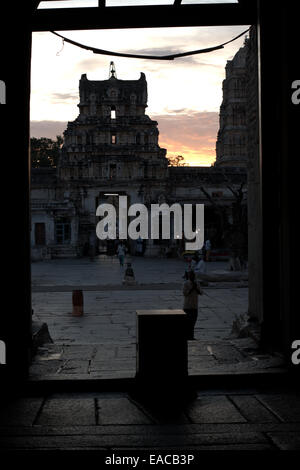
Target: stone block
285 407
67 412
119 411
214 409
20 412
286 440
253 410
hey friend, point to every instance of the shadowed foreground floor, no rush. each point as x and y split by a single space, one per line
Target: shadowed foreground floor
214 420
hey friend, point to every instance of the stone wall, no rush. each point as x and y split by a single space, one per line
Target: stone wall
254 183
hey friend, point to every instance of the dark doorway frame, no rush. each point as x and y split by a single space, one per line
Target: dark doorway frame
278 119
40 233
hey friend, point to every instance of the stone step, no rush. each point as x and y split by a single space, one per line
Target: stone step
62 251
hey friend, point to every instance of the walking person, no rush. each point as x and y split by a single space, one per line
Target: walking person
129 278
200 267
194 262
121 253
92 246
190 267
191 290
139 247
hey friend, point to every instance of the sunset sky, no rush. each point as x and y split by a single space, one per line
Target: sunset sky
184 95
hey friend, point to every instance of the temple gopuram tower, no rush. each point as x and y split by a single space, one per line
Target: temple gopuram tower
231 147
112 139
111 149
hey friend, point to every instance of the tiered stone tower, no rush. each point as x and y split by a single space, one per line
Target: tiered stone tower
232 136
112 138
110 149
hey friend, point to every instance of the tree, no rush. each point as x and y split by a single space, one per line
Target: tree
176 161
45 152
234 232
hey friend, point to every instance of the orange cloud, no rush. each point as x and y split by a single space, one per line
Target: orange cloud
190 134
182 132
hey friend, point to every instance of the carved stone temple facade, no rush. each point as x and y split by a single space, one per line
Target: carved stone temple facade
231 148
112 149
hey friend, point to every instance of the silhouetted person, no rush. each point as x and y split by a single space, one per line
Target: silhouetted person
191 290
129 278
121 254
194 262
200 267
139 247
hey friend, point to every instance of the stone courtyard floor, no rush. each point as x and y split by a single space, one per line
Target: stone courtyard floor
215 420
242 401
102 343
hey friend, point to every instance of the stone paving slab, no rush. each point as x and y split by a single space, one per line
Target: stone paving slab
286 441
112 421
253 410
21 412
286 410
106 271
113 315
118 360
101 343
119 411
61 412
197 442
216 409
159 428
207 448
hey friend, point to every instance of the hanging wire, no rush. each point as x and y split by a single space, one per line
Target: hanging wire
63 45
152 57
